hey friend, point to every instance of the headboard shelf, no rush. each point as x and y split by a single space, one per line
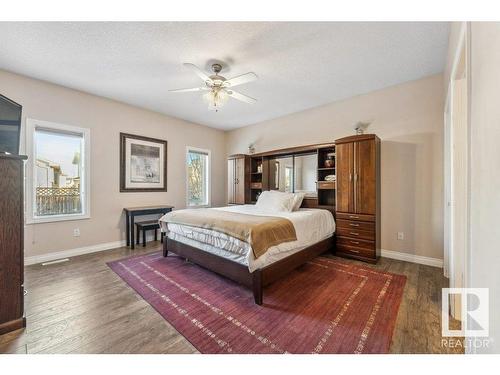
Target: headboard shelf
294 150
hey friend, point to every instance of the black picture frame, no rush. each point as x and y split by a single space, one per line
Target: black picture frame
123 162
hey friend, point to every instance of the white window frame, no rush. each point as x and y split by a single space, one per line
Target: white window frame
209 176
31 126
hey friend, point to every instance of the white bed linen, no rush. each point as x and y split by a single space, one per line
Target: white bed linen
311 226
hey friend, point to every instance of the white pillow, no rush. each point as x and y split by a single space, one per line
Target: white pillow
297 200
275 201
285 195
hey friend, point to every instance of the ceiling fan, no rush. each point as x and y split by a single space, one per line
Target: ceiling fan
219 89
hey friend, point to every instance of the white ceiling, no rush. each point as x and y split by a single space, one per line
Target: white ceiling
300 65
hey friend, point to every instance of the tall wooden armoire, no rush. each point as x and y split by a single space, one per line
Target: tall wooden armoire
358 197
238 177
11 243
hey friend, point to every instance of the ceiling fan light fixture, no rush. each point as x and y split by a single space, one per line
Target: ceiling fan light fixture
216 98
218 89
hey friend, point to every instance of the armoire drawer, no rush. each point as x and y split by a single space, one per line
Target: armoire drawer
351 224
356 251
360 217
356 233
356 242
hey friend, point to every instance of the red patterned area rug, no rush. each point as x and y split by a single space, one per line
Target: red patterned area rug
325 306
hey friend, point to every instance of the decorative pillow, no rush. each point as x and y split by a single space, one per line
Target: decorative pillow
285 196
275 201
297 200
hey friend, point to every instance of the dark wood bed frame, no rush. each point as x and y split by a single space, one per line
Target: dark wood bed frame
256 280
260 278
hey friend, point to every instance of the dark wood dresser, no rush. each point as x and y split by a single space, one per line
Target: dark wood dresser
358 197
11 243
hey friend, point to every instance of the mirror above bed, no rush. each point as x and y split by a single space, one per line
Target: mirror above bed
308 169
281 174
294 174
305 174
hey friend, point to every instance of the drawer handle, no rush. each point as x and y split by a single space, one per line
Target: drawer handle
353 217
355 242
354 234
354 251
354 225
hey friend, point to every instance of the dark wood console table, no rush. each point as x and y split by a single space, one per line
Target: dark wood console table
132 212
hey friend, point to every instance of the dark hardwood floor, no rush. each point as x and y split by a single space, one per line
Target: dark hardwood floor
81 306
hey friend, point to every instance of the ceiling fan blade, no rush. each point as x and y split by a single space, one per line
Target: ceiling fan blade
239 80
200 73
190 90
243 98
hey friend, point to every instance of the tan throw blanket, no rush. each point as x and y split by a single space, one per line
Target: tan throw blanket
260 232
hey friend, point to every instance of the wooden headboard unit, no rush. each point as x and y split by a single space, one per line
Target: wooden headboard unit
258 180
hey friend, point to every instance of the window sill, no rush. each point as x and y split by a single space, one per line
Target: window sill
55 218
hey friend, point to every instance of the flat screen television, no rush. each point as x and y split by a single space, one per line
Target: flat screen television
10 125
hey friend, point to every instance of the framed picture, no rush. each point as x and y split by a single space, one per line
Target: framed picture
143 163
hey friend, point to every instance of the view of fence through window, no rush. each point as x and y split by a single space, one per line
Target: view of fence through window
197 175
57 173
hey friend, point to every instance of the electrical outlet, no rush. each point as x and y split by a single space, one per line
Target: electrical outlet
76 232
401 236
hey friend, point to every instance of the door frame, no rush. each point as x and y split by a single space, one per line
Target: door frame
450 271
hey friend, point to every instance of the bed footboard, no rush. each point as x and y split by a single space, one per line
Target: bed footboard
240 273
225 267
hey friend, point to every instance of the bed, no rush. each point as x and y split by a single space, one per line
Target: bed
234 257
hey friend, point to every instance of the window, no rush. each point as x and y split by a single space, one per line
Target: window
58 170
198 177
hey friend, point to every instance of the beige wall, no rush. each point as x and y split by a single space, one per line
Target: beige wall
409 120
484 260
106 119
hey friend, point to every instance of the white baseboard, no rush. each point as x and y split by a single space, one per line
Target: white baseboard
80 251
72 252
434 262
116 244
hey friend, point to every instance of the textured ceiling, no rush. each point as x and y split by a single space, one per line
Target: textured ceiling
300 65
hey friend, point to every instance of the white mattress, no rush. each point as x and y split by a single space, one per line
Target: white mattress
311 226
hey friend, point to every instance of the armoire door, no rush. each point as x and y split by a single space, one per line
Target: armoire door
345 169
231 178
365 177
239 194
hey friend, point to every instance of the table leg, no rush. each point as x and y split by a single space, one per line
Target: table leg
132 225
127 225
